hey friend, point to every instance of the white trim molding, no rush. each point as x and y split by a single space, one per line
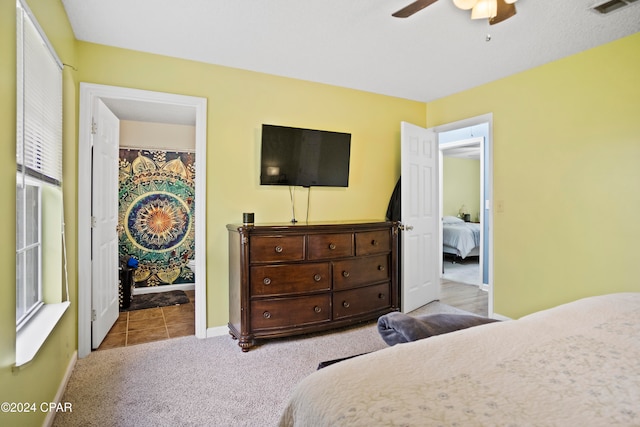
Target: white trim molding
30 338
51 415
217 331
488 164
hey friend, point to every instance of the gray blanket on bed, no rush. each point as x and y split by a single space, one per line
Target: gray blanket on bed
396 327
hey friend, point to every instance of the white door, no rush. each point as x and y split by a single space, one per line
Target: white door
104 212
420 217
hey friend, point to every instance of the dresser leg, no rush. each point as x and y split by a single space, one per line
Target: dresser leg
245 343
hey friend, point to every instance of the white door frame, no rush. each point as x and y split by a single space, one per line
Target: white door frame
488 204
88 92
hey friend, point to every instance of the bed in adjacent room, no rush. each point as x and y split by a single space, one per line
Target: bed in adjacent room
575 364
460 238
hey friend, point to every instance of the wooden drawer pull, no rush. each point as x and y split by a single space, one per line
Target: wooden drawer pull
381 295
278 249
266 281
266 315
345 274
317 309
381 267
332 246
317 277
374 243
345 304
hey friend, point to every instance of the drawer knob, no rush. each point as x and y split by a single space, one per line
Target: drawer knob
381 267
345 304
345 274
381 295
374 242
317 277
266 281
278 249
266 315
317 309
332 246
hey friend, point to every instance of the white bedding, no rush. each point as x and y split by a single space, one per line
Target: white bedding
576 364
460 238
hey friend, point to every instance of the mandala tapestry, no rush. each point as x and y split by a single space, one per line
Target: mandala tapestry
156 214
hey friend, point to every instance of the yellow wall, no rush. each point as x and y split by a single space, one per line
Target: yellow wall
461 186
239 102
566 156
38 381
566 153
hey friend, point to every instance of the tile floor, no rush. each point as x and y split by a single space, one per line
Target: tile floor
152 324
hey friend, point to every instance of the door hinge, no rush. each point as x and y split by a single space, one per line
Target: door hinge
93 221
94 127
93 315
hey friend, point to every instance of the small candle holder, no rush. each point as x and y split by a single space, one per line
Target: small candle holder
248 218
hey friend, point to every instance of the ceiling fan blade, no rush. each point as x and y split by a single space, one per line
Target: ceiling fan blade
413 8
505 11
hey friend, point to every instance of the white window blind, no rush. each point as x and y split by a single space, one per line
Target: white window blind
39 103
38 156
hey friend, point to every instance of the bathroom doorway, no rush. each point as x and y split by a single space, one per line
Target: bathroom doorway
145 103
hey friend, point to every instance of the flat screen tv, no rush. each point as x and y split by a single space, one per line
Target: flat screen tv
304 157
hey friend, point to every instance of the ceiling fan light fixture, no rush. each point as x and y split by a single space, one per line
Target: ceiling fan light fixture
465 4
495 11
484 9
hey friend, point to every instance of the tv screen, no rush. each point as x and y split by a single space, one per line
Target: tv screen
304 157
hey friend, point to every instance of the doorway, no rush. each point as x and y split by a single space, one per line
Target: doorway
150 106
461 197
417 186
474 137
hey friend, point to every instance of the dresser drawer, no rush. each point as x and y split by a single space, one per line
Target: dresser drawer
324 246
373 242
360 271
290 312
362 300
289 278
276 248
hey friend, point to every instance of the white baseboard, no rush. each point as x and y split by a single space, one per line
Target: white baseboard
164 288
48 421
500 317
217 331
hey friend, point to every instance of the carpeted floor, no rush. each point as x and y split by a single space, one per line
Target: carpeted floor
206 382
462 271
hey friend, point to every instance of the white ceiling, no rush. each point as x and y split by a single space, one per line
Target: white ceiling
356 44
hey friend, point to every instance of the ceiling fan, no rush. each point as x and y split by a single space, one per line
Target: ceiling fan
495 11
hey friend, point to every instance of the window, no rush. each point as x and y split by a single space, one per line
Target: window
39 219
28 250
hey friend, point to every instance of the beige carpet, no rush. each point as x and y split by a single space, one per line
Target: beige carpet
209 382
467 271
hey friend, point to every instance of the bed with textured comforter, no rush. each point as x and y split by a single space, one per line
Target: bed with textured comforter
460 238
575 364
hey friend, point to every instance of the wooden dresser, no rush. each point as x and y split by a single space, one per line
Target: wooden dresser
299 278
